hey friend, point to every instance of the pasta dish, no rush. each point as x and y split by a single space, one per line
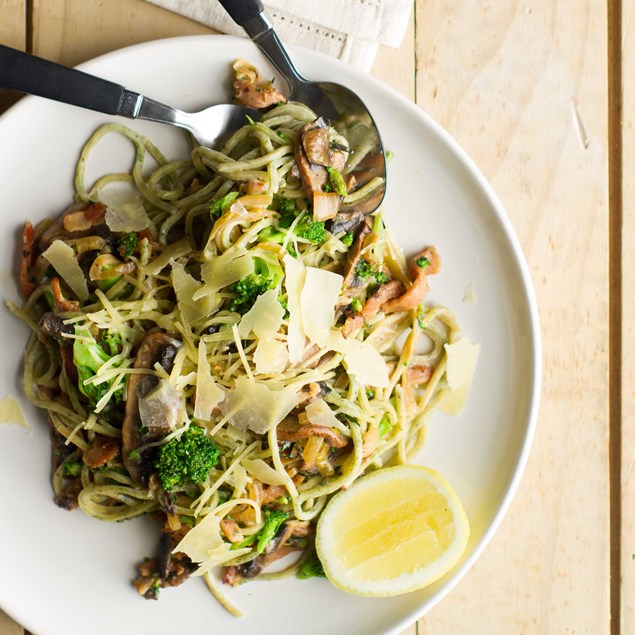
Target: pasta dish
222 342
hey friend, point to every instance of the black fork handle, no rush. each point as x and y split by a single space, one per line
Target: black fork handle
36 76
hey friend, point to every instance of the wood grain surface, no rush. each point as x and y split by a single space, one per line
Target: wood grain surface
524 87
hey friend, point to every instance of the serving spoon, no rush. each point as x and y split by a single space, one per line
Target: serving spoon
36 76
340 104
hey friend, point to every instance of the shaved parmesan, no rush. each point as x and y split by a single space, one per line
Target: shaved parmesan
469 296
362 360
162 408
11 413
253 405
271 356
320 414
204 545
169 254
185 286
295 274
264 472
224 270
461 364
265 316
124 209
318 299
208 393
62 258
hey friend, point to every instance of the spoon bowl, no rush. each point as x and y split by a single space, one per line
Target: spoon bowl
345 109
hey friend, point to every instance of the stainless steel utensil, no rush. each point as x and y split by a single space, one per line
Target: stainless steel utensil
36 76
342 106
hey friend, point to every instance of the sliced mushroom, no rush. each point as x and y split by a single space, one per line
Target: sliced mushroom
385 292
345 222
102 451
313 154
355 253
333 437
419 288
53 325
251 90
154 348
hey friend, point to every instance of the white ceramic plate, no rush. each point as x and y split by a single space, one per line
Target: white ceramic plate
64 573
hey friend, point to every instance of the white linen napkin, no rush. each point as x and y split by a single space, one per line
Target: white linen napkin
351 30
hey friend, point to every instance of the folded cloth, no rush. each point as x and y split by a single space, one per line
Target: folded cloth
351 30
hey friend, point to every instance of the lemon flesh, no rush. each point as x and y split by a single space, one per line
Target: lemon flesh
393 531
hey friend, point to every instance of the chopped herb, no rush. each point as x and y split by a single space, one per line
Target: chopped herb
127 244
370 393
423 262
356 305
365 269
390 155
384 425
282 135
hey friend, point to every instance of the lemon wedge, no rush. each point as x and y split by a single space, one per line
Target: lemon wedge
396 530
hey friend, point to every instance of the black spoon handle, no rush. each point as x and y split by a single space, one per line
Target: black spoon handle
36 76
241 11
250 14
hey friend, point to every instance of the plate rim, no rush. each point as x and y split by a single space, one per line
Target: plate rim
529 294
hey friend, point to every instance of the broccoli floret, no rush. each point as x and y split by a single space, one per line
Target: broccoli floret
127 244
220 205
347 239
365 269
423 262
307 228
311 230
273 519
89 356
286 208
186 459
336 181
254 284
311 568
271 235
247 290
72 468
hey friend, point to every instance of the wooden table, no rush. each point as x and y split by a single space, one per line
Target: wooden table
533 90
